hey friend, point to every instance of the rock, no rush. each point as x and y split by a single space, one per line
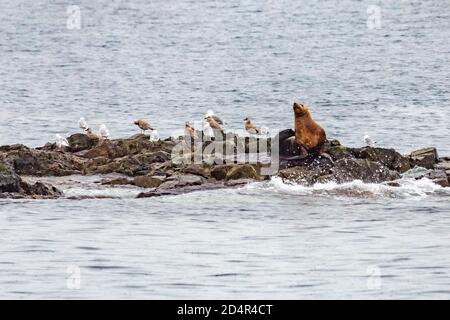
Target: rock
347 170
199 170
117 182
238 182
442 166
245 171
179 181
387 157
344 170
148 181
219 172
35 162
40 190
180 190
338 152
393 184
12 186
425 158
437 176
80 141
9 180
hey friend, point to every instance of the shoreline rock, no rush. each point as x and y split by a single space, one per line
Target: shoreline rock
148 165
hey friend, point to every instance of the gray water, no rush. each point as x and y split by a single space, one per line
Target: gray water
169 61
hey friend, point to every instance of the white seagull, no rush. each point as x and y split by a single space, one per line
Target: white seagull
83 124
61 142
104 132
369 142
154 135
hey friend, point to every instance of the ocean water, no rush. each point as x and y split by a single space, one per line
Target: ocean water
169 61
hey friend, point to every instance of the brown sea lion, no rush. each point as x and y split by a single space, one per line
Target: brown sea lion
309 135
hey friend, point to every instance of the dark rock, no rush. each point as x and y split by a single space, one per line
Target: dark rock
179 190
344 170
437 176
9 180
147 181
220 172
40 190
117 182
387 157
238 182
179 181
80 141
425 158
199 170
442 166
244 171
43 163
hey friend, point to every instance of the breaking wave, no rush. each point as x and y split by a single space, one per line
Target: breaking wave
406 187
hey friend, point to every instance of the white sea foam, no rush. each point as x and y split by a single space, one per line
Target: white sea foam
407 188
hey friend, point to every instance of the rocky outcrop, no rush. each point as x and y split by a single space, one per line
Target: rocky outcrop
343 170
425 158
149 164
12 186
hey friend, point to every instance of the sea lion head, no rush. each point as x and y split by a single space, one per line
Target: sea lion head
300 109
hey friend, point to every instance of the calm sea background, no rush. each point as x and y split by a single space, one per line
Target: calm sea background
170 61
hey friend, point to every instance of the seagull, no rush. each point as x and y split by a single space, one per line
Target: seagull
250 127
84 125
210 113
61 142
369 142
213 123
188 129
154 135
143 125
104 132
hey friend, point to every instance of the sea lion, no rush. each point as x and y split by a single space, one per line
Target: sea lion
309 135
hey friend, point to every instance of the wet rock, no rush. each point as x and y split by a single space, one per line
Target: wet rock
199 170
40 190
425 158
118 182
238 182
338 152
9 180
344 170
245 171
368 171
148 181
437 176
80 141
388 157
445 166
179 181
219 172
180 190
43 163
12 186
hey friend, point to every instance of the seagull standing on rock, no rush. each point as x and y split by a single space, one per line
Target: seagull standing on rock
213 123
211 114
369 142
143 125
250 127
84 125
104 132
61 142
188 129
